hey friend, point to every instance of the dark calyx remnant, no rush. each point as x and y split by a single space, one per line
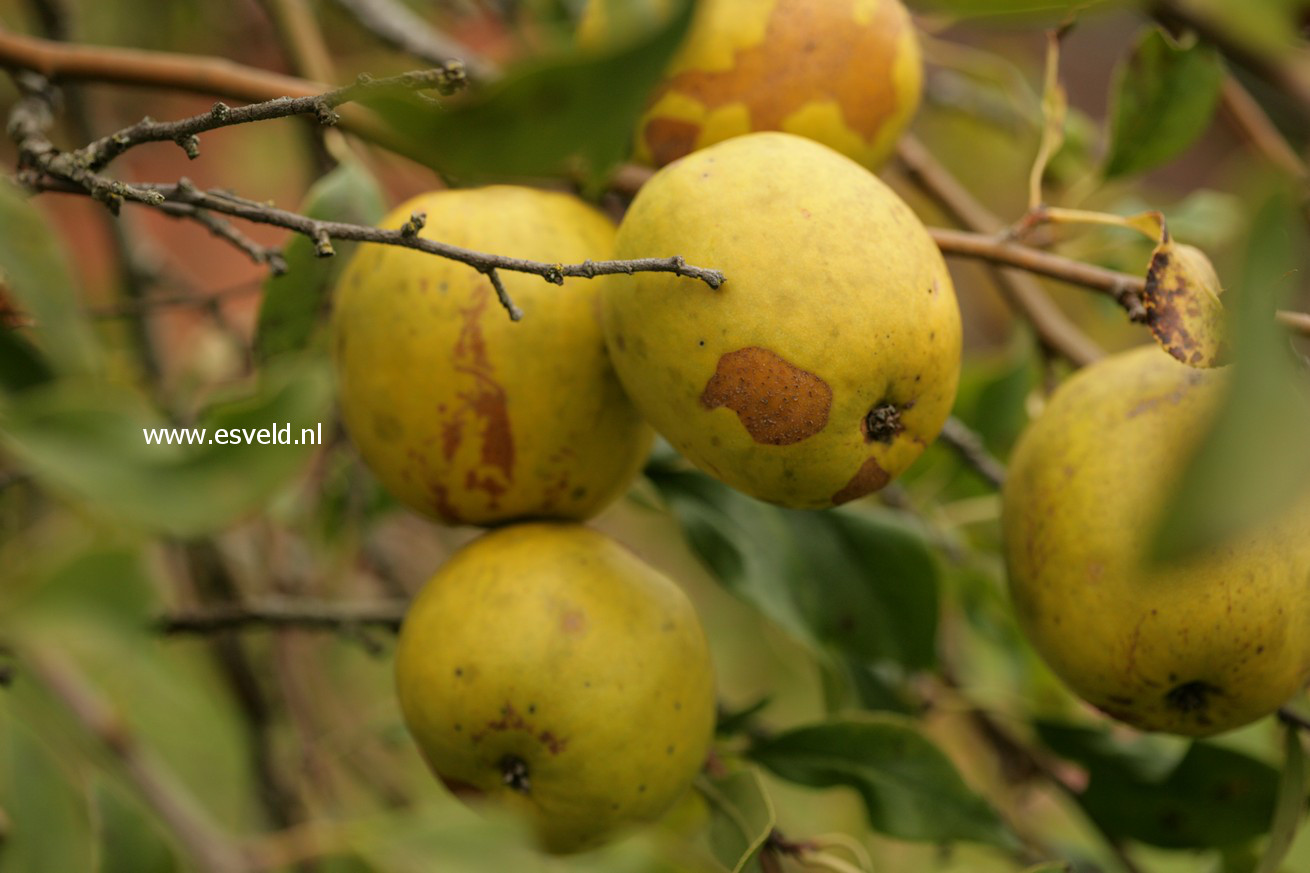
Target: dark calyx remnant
882 424
514 773
1191 696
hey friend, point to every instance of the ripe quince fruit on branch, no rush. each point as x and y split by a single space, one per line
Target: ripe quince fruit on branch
547 669
462 414
1193 646
826 362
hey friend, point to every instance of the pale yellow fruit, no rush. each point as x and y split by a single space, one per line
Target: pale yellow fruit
846 73
547 669
1193 647
828 360
461 413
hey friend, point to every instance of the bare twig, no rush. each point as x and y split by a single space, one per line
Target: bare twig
966 443
183 199
1293 718
1297 321
1258 130
1054 329
444 80
182 72
395 24
207 847
136 307
309 615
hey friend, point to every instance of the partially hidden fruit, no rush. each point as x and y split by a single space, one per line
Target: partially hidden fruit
461 413
1191 647
828 360
846 73
547 669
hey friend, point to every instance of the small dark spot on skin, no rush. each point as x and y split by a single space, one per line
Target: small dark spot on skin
1173 677
586 684
532 707
669 750
1259 650
882 424
614 806
514 773
459 728
1191 697
677 705
459 671
701 344
668 627
578 493
641 789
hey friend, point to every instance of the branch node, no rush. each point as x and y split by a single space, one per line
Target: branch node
220 111
501 294
325 114
189 144
323 244
554 274
410 229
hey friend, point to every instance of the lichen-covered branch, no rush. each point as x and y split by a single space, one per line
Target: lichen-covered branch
312 615
395 24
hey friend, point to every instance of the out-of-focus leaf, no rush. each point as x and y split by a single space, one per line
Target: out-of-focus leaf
1253 462
571 116
21 364
861 583
1212 797
48 827
1290 810
129 839
742 816
107 586
1051 867
36 271
89 441
911 790
294 301
1182 304
1164 97
738 721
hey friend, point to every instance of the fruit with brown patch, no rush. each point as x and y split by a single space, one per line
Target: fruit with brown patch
846 73
461 413
1192 647
827 361
545 668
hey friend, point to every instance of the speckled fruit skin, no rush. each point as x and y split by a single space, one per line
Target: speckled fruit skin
1195 647
846 73
551 646
830 357
461 413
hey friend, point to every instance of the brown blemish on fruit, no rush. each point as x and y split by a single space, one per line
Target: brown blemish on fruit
573 622
868 479
483 403
670 138
854 70
512 720
778 403
441 504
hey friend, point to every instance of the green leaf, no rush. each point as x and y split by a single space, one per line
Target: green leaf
862 583
1253 462
742 816
294 301
911 790
570 116
1211 797
35 268
107 586
1164 97
1290 809
48 824
88 441
130 841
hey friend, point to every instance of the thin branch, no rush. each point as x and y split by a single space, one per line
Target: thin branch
1290 717
226 232
1297 321
206 845
444 80
133 308
304 614
182 72
183 199
968 444
1054 329
396 25
1258 130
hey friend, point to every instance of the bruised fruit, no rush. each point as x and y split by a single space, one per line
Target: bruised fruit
1194 646
461 413
826 362
545 668
846 73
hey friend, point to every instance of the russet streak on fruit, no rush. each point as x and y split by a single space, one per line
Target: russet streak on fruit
1192 647
547 669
